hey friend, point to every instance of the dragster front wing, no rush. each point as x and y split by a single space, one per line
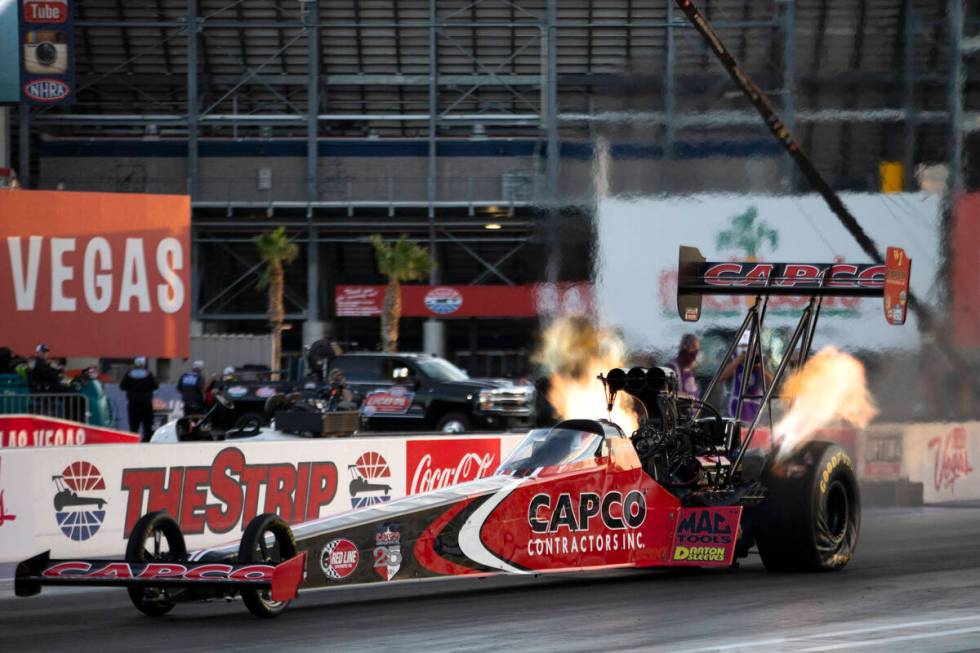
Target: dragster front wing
283 579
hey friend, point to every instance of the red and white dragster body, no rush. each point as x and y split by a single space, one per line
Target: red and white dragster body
686 488
573 497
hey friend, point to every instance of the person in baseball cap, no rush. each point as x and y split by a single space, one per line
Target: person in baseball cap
139 385
191 388
42 375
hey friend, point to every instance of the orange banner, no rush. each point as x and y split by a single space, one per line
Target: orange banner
95 274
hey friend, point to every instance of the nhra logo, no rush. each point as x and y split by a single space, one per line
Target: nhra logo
339 558
47 90
443 301
77 508
615 511
367 476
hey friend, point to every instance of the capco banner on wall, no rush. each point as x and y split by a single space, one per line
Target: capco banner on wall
95 274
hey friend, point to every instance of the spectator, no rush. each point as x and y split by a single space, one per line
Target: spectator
43 376
684 364
7 361
752 393
340 397
191 388
139 385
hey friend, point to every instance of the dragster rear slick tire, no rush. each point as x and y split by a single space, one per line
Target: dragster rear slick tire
254 549
151 601
810 519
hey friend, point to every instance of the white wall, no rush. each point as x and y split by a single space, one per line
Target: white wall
638 240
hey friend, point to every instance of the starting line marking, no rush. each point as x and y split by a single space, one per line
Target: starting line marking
897 638
802 639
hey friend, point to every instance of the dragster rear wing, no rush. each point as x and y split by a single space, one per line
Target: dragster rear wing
697 277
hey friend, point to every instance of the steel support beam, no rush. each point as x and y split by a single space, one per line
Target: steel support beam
215 23
311 18
789 85
433 118
195 275
670 84
24 145
954 14
909 28
193 171
553 267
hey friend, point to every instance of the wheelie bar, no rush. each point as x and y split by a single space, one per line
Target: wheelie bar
283 579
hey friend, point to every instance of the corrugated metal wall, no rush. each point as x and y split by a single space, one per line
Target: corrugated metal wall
221 350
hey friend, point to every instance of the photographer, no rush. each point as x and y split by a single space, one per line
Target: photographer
339 395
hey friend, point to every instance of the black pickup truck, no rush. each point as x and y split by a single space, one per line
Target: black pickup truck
422 392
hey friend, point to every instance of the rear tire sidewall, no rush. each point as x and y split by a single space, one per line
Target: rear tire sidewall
811 517
135 552
247 554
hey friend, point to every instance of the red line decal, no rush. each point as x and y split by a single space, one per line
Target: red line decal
799 272
873 277
163 570
712 276
209 572
842 275
65 568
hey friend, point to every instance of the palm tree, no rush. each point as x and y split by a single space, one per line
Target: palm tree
275 251
746 235
400 261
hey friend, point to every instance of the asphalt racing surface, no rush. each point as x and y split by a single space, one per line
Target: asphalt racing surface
914 586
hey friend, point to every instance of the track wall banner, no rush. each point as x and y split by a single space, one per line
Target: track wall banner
20 431
528 300
636 266
945 458
82 501
95 274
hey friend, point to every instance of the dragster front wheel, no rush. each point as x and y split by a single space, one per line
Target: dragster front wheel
156 537
267 540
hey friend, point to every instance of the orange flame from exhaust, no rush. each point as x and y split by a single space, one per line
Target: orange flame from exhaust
831 387
574 352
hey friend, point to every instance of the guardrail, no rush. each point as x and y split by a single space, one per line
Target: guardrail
64 405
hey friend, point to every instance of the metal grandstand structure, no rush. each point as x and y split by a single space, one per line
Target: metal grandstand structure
853 78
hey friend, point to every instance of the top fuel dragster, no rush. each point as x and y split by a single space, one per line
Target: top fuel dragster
685 489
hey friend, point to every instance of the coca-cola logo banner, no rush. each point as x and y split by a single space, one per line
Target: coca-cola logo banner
435 464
